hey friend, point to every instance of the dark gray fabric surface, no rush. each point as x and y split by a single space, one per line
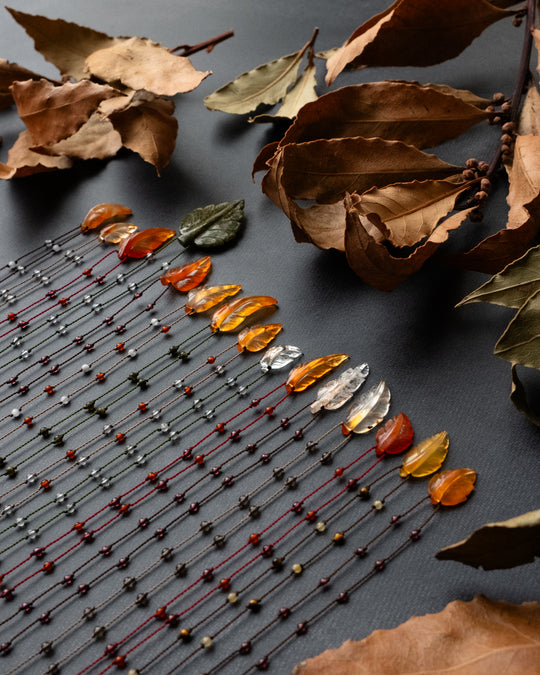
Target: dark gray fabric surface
436 359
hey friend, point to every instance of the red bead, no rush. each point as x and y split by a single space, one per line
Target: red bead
254 539
45 485
12 317
311 516
220 428
188 391
339 472
78 527
152 477
269 410
100 377
211 359
161 613
120 347
142 407
49 389
70 455
199 460
28 421
124 509
48 567
120 438
225 584
88 272
165 329
63 301
120 662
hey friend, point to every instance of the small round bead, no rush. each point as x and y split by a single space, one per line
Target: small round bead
232 598
297 569
378 505
320 526
206 642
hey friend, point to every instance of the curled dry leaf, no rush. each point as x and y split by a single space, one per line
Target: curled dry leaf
148 128
497 546
96 139
529 117
520 342
418 115
371 260
320 224
10 73
302 92
466 638
23 161
520 400
325 170
266 84
415 33
139 63
63 43
52 113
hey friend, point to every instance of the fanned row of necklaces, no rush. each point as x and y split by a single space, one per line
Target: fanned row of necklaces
165 508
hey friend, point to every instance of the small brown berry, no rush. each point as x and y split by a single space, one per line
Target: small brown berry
480 196
496 120
505 149
471 163
508 127
469 174
506 107
498 98
517 21
490 108
483 167
485 184
506 138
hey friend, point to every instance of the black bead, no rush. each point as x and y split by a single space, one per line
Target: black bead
11 472
243 501
180 570
58 440
44 432
167 554
219 541
326 458
46 648
142 600
277 564
278 473
254 511
101 412
53 669
90 407
206 526
183 356
302 628
291 482
208 574
311 446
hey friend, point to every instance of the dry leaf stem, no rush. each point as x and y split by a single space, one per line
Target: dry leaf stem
187 50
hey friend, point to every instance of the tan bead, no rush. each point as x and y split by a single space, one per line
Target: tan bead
206 642
378 505
320 526
232 598
297 568
133 671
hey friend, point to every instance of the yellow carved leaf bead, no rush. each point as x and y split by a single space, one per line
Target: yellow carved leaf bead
452 486
103 214
234 313
258 337
205 298
306 374
426 457
186 277
117 232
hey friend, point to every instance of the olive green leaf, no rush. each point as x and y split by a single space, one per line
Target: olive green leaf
499 545
519 399
266 84
212 225
513 285
520 342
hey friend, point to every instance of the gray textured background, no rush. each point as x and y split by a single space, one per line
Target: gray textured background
437 360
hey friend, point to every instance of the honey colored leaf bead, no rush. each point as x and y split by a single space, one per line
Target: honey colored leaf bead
306 374
207 297
186 277
144 242
117 232
426 457
395 437
258 337
452 486
368 411
104 214
234 313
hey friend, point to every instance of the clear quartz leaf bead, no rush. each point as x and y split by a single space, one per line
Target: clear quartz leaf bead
368 411
338 391
279 356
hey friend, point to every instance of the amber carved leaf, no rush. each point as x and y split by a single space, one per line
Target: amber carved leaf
52 113
139 63
474 638
499 545
306 374
418 115
144 242
372 261
325 170
266 84
63 43
23 161
415 33
233 314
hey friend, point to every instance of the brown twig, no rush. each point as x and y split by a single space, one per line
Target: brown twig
187 50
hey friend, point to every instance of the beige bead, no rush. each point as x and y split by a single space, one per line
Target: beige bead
297 568
232 598
378 505
320 526
206 641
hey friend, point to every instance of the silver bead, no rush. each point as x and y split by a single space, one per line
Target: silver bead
31 479
64 400
130 450
12 264
120 278
82 461
132 286
32 534
132 353
141 460
105 483
219 370
231 382
45 280
70 509
197 404
52 319
87 299
86 368
48 243
156 414
95 474
97 307
62 330
60 497
56 248
242 391
108 428
164 428
11 298
155 323
15 412
20 522
209 413
24 354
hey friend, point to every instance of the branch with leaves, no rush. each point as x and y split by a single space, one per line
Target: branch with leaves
114 93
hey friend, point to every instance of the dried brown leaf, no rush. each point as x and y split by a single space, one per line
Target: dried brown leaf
520 342
404 111
262 160
96 139
148 128
63 43
529 117
520 399
139 63
22 161
10 73
464 94
480 637
369 258
52 113
415 33
320 224
497 546
325 170
272 182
